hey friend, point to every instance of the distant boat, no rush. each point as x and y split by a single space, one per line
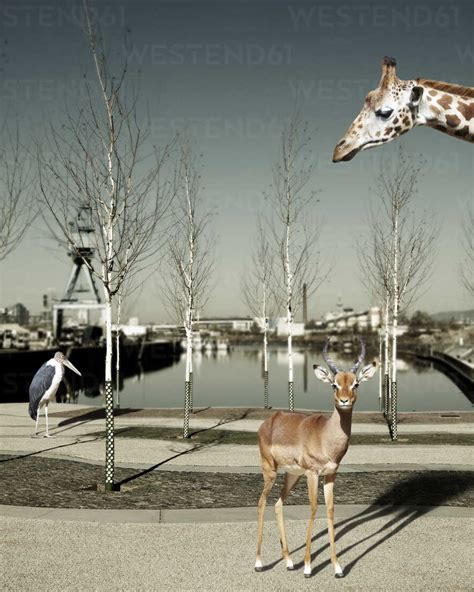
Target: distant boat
197 343
222 345
211 345
402 366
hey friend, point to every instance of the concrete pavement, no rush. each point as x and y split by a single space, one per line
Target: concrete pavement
80 442
403 548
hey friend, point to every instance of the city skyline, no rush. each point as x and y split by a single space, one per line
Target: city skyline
231 73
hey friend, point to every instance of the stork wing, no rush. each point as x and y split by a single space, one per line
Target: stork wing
39 385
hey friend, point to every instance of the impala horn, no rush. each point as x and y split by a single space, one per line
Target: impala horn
360 359
327 359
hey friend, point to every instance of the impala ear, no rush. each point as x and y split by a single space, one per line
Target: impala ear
322 374
367 372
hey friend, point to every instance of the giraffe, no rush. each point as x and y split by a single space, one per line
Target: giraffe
396 106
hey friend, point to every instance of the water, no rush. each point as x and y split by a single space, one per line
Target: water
235 379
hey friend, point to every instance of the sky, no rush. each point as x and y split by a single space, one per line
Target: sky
230 72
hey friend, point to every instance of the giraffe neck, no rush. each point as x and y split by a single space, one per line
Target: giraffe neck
448 108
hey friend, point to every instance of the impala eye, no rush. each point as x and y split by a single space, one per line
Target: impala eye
384 113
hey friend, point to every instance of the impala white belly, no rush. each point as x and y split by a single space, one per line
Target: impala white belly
329 468
293 469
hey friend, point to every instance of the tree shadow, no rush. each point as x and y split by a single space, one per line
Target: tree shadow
93 415
20 456
221 422
139 474
402 504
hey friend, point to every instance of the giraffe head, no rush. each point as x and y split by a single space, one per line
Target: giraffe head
389 111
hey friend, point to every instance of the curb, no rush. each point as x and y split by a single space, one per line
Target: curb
222 515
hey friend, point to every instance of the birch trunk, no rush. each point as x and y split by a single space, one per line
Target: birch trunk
395 287
265 348
386 355
108 338
109 399
289 318
188 376
381 398
117 354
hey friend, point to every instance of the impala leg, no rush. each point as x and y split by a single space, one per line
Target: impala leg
269 476
329 499
289 483
313 500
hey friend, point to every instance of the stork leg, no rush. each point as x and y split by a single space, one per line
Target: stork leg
46 415
37 419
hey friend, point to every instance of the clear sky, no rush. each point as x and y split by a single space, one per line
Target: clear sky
230 71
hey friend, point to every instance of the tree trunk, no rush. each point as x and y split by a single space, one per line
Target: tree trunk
265 347
109 399
386 357
265 365
188 376
291 396
394 406
289 317
117 354
381 398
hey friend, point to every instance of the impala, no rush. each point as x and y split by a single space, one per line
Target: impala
310 445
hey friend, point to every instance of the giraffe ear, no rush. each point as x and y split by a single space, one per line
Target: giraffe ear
415 96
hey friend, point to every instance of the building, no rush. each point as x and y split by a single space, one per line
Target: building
239 324
14 336
297 329
347 318
17 313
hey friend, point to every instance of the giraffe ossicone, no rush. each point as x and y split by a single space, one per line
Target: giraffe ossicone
396 106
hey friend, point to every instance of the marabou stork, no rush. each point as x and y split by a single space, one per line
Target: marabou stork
45 384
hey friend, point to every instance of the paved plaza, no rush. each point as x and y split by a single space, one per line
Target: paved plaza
380 547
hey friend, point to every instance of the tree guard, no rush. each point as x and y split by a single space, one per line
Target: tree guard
109 437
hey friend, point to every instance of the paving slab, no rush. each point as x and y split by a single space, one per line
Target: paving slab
403 550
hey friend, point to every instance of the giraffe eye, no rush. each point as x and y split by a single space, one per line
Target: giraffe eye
384 113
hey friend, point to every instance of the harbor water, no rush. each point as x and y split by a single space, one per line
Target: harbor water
235 378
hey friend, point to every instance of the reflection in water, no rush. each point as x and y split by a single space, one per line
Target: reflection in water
236 379
305 372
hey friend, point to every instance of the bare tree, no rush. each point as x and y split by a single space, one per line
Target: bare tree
98 158
397 257
189 260
374 266
467 243
258 291
294 233
16 211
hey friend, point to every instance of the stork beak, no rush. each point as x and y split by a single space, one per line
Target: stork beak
71 367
